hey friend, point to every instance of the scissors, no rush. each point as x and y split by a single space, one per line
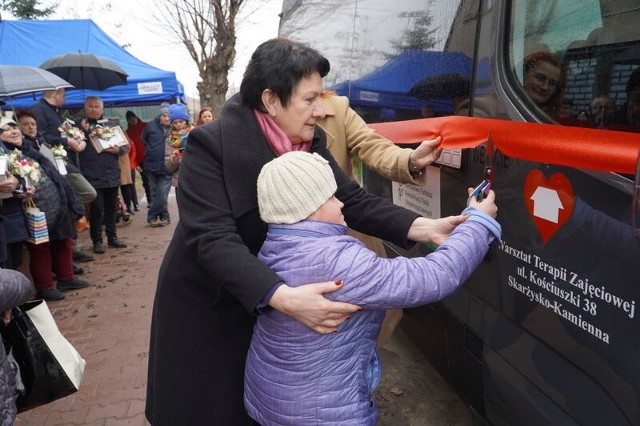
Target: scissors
489 159
481 191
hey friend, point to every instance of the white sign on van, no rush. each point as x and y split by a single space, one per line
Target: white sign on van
546 204
369 96
423 200
150 88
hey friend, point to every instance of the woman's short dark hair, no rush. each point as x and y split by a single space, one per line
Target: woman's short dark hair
25 113
279 64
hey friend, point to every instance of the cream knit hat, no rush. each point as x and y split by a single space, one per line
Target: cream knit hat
293 186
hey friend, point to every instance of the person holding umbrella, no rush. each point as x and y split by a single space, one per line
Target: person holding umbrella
49 119
102 170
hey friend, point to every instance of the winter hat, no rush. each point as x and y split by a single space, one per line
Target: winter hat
164 108
293 186
178 111
6 120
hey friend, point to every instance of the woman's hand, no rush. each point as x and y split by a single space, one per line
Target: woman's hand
30 191
307 305
434 231
426 153
6 316
76 145
9 184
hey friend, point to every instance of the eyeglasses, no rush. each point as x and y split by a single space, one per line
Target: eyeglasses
541 79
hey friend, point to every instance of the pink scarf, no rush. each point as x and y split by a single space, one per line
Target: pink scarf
278 141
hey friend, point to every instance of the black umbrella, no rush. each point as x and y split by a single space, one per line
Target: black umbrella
20 79
86 70
441 86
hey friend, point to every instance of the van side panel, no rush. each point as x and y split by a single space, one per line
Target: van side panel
546 329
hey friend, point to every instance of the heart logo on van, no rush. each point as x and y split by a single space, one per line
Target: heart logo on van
549 201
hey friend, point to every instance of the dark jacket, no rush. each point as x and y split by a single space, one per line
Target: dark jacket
12 212
101 170
15 289
48 119
153 139
210 281
54 195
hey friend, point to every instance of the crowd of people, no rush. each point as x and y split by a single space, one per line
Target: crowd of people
272 225
72 171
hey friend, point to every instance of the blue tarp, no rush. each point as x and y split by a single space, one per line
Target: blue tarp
389 85
29 42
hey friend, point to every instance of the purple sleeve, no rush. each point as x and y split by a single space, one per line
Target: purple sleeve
379 283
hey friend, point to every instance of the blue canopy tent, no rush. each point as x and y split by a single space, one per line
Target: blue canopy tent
29 42
389 85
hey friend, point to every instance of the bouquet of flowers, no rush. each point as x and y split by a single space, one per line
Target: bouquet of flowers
68 129
102 132
59 151
25 168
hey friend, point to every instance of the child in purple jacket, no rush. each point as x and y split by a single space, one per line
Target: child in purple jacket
295 376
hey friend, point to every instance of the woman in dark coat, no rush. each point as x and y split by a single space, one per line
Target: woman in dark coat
55 197
15 289
13 191
210 283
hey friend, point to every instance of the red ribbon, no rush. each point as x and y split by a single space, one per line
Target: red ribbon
579 147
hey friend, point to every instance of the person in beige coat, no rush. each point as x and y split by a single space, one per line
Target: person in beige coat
348 136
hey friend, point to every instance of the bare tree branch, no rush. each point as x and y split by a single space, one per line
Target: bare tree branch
207 29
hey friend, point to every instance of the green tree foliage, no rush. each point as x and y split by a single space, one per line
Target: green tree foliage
419 35
27 9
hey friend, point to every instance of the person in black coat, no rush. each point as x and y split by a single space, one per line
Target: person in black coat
49 119
102 170
13 191
211 285
15 289
55 197
47 114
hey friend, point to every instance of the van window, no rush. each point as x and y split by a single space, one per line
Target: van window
578 63
393 60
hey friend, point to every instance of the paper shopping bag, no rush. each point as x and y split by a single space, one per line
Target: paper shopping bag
47 366
36 224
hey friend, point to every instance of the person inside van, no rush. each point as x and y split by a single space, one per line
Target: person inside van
603 112
544 80
566 110
631 110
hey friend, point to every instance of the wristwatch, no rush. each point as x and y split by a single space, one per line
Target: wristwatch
414 171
